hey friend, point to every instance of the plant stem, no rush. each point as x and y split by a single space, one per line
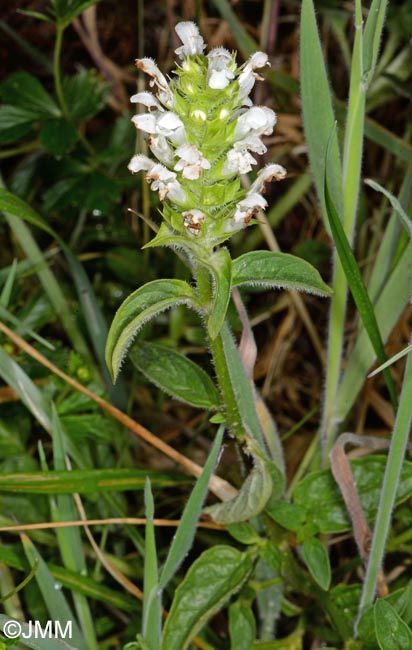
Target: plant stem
389 488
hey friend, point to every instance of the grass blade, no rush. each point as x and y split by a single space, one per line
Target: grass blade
183 539
406 222
152 609
357 287
391 478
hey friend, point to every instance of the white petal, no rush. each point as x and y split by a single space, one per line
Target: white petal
159 146
147 99
145 122
193 43
248 207
267 174
149 67
220 79
258 120
169 122
140 162
258 60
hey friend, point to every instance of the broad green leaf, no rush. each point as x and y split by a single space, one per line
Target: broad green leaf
221 269
152 610
357 286
211 580
392 632
14 205
140 307
25 91
39 643
15 123
289 515
278 270
85 481
84 94
54 599
58 136
251 499
67 10
319 495
242 626
317 560
175 374
185 533
243 532
318 116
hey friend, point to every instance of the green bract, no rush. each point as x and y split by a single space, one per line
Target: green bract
203 130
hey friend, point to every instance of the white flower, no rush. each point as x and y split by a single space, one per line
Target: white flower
191 162
266 175
248 207
162 179
219 74
165 123
160 147
248 75
140 162
193 220
158 79
147 99
256 121
193 43
238 161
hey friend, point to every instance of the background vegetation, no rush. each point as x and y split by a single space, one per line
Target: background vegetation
72 257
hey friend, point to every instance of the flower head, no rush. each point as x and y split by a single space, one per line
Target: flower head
204 132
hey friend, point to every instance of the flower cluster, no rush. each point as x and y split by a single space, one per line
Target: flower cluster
204 131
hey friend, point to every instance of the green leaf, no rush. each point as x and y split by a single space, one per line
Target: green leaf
84 94
84 481
175 374
152 610
242 626
289 515
183 539
14 205
251 499
319 495
317 560
278 270
67 10
357 287
318 116
140 307
215 576
56 603
243 532
15 123
221 268
407 223
25 91
372 35
58 136
392 632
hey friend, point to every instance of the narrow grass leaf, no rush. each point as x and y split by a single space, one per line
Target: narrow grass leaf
69 539
152 610
357 286
211 580
85 481
392 633
392 299
406 222
318 116
175 374
8 285
18 380
390 361
23 329
392 483
183 539
140 307
278 270
372 35
54 599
